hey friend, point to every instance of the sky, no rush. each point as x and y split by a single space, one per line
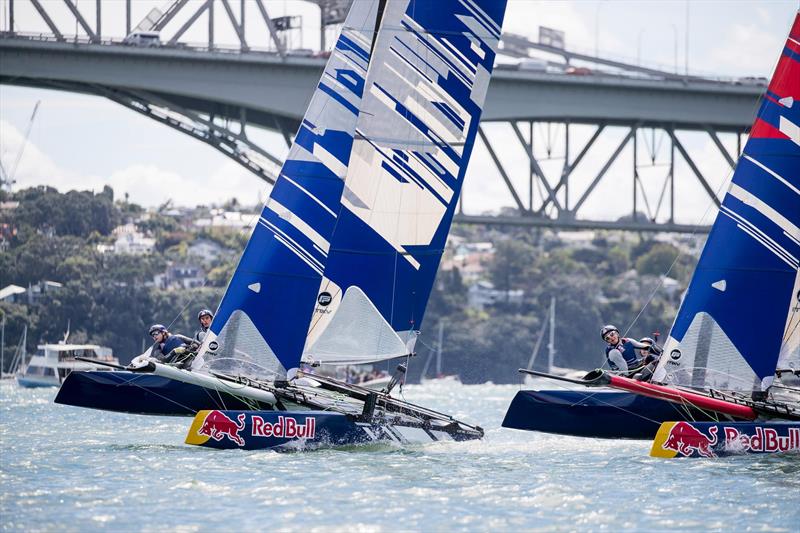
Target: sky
86 142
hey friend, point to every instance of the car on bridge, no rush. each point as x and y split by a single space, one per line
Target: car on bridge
143 38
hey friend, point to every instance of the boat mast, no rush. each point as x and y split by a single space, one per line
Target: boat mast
551 346
439 349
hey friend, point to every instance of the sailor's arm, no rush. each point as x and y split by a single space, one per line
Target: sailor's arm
615 357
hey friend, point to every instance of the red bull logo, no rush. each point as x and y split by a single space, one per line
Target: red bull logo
765 440
286 427
217 425
685 439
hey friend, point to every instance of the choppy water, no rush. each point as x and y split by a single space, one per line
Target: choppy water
72 469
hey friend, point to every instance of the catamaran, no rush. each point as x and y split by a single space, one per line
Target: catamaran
342 261
718 389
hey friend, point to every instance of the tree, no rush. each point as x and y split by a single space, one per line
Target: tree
510 264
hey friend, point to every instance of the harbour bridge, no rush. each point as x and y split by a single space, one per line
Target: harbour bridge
215 93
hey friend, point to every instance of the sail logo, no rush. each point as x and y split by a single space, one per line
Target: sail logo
765 440
324 299
286 427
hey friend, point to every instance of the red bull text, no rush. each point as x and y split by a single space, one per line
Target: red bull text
286 427
765 440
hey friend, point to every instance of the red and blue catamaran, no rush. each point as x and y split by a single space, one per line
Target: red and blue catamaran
727 381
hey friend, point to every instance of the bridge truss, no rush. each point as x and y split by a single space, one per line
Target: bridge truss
553 200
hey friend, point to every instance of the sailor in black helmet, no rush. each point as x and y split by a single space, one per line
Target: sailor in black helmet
205 316
621 353
168 347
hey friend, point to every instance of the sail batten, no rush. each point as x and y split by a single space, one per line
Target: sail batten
422 103
730 330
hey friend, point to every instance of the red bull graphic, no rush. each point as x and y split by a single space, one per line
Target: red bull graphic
286 427
700 439
765 440
217 425
685 439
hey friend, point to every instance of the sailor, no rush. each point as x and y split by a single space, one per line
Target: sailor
205 317
621 353
650 355
169 347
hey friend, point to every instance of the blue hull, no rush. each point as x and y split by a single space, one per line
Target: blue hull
144 394
601 414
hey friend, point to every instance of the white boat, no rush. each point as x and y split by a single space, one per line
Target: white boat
52 363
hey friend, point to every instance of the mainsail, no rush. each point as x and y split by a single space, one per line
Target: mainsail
733 326
424 94
264 315
370 214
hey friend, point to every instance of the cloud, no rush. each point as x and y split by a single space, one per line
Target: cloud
28 165
146 184
747 48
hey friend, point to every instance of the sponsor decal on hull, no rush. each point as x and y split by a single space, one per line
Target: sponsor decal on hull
217 425
286 427
685 439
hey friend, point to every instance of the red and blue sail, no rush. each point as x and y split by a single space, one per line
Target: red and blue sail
733 320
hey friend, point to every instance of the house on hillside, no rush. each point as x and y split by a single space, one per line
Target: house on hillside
129 240
482 294
180 276
30 296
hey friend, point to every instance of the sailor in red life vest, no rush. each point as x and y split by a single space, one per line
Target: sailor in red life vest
621 353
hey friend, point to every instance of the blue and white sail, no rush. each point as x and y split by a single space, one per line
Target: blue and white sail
264 315
740 313
425 90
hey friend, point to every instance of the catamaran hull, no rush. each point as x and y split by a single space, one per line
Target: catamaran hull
712 439
595 413
300 430
144 394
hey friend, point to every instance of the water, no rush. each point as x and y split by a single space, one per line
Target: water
67 468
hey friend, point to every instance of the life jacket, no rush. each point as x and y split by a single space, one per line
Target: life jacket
170 344
628 353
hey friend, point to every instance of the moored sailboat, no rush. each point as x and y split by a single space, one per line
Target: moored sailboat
738 327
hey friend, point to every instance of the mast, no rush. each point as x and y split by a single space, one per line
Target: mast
551 346
439 349
538 343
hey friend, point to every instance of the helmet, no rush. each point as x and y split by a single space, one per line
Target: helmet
606 329
205 312
157 328
647 340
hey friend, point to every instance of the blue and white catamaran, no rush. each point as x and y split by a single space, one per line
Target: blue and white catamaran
341 264
738 328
